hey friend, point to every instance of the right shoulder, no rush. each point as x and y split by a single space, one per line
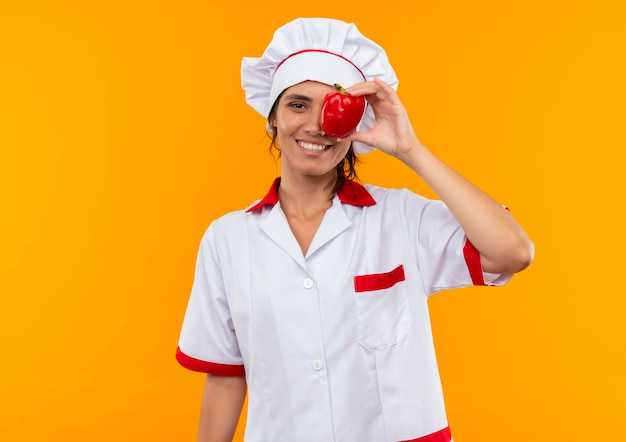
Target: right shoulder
226 224
236 223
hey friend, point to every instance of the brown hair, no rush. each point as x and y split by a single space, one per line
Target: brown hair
346 169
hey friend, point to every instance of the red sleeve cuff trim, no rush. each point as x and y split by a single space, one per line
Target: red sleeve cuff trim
438 436
208 367
472 259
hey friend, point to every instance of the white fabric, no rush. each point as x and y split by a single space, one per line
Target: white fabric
324 67
322 362
350 47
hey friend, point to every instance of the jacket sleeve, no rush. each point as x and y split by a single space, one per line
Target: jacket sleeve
445 256
208 342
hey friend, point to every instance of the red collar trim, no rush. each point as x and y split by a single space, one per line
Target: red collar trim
350 192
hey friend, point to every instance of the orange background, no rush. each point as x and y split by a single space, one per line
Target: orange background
124 132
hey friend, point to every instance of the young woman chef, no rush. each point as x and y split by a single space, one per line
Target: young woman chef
314 298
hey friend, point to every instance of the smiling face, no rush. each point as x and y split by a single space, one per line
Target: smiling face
305 149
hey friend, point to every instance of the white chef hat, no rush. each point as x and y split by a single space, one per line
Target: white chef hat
320 49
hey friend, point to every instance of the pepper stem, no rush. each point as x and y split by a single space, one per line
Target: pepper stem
340 88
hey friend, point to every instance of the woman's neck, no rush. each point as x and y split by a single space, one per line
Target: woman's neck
305 196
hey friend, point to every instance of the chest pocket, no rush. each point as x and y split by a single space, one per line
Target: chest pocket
383 316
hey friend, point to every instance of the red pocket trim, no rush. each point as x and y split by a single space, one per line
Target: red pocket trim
378 281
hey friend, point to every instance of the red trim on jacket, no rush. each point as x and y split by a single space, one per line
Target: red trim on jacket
472 258
378 281
325 52
438 436
208 367
350 192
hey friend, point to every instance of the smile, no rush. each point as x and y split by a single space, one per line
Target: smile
313 147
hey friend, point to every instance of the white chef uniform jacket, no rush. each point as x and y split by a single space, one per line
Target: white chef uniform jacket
335 345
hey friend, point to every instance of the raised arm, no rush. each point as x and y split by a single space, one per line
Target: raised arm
503 245
222 402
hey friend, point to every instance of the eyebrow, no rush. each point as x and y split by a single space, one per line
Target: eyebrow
298 97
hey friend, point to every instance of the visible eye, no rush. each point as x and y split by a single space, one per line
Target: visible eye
296 105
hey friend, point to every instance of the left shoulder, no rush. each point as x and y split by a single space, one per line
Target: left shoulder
387 196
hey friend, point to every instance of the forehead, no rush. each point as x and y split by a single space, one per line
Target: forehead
309 88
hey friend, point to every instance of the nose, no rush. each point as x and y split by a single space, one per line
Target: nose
314 125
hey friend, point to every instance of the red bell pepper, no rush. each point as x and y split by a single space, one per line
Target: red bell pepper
341 113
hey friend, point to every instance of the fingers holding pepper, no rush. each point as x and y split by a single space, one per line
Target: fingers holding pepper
392 131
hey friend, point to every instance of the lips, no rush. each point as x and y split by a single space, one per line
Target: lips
313 147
